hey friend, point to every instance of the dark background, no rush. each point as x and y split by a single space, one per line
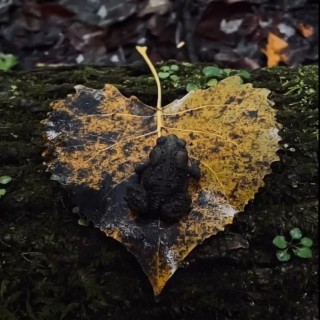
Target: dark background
229 33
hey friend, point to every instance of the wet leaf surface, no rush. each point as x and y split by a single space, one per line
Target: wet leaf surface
97 137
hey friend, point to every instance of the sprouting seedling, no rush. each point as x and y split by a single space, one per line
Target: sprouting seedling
170 72
212 75
299 245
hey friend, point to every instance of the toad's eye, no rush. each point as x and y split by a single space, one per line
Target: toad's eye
155 155
161 140
182 159
181 143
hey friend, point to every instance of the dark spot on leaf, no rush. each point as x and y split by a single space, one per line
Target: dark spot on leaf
137 108
74 145
111 151
149 122
230 100
85 104
83 173
223 109
239 100
251 114
57 116
233 135
108 138
127 149
202 199
121 167
250 167
246 155
61 173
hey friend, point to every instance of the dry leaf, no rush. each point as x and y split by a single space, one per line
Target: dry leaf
306 30
274 50
155 6
99 136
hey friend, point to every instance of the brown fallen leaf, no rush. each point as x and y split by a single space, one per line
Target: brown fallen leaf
99 136
306 30
274 50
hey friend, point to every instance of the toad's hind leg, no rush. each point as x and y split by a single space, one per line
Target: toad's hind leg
176 207
137 199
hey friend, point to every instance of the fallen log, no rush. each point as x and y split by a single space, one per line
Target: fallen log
53 267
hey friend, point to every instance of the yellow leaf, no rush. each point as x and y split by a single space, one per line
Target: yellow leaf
99 136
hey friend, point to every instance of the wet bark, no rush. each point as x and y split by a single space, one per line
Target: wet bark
54 267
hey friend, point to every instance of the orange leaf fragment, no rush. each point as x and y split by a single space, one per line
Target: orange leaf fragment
306 30
274 49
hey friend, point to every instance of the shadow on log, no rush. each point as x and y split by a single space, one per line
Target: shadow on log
54 268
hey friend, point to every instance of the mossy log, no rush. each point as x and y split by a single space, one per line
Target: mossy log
54 268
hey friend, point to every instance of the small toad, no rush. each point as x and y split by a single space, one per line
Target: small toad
162 188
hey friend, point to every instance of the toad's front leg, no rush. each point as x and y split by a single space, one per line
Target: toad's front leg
194 170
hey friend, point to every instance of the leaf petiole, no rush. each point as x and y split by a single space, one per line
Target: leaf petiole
159 121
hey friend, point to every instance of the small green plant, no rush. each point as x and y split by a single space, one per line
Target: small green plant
170 72
300 246
208 77
7 61
4 180
213 74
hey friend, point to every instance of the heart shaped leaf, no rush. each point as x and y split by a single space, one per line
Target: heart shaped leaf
97 138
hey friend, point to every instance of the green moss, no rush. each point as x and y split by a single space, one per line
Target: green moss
52 268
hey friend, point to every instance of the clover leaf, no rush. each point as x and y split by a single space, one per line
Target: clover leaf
300 248
280 242
283 255
5 179
212 82
163 75
306 242
174 67
296 233
191 86
211 71
303 252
